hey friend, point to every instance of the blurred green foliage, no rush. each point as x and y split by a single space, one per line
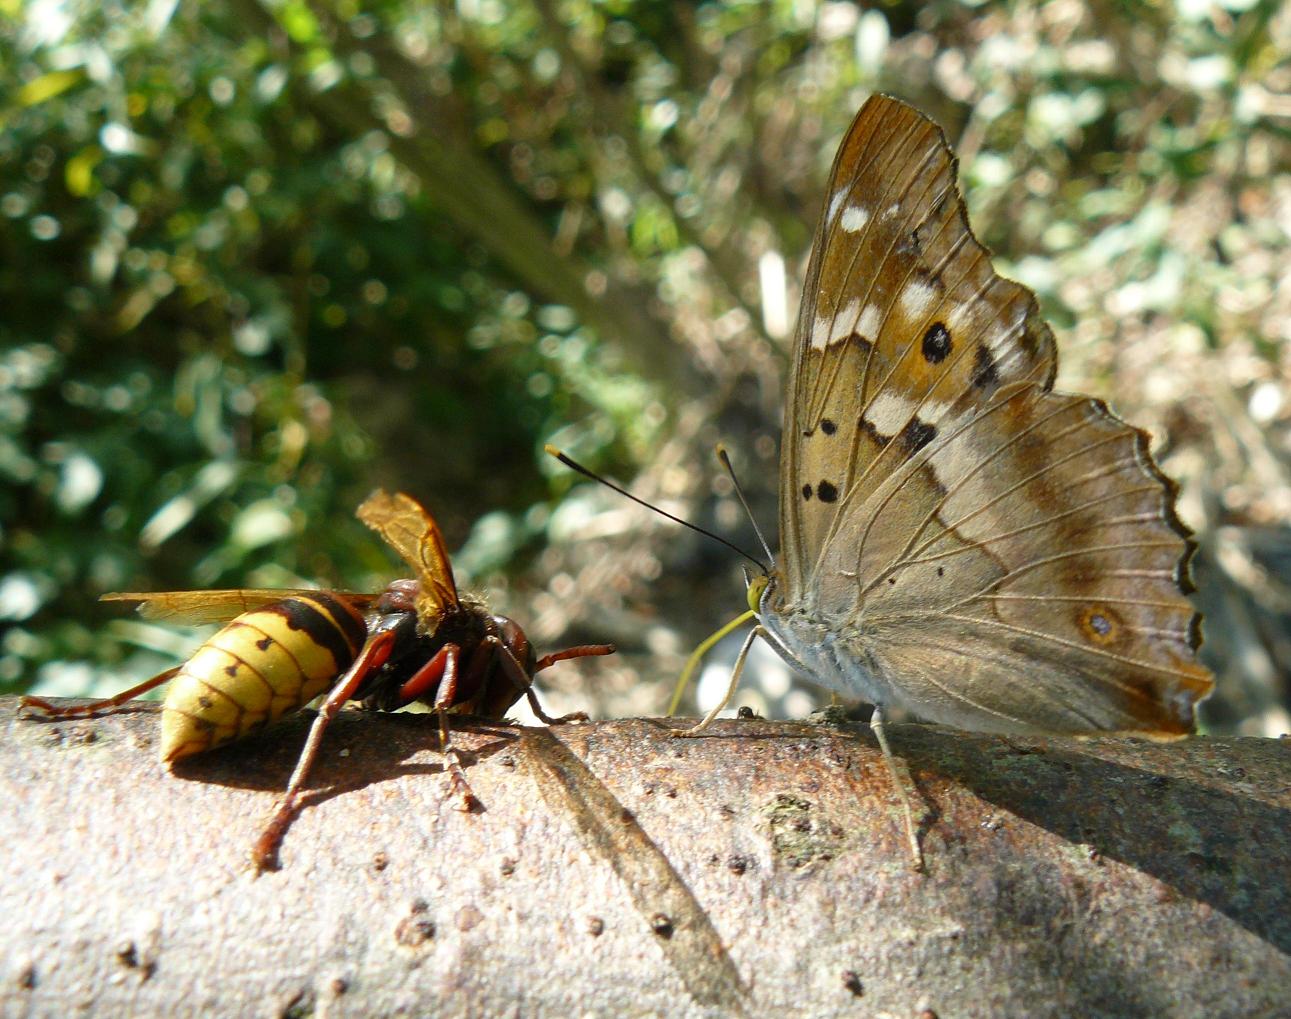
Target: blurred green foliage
258 258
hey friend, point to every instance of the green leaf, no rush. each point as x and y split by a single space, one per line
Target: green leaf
38 90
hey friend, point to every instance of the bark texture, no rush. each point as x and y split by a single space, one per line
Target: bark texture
761 870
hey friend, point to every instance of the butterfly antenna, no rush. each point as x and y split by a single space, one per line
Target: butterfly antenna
587 473
726 462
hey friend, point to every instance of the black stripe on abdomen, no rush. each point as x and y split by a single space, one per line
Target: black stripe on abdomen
347 617
327 621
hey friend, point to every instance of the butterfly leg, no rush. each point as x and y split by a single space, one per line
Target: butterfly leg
697 656
707 720
96 707
904 784
370 658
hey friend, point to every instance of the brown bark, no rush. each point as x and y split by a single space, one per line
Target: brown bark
761 870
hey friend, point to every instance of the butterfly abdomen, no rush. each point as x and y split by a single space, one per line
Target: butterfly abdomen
260 666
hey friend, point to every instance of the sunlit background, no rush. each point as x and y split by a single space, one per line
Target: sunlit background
257 259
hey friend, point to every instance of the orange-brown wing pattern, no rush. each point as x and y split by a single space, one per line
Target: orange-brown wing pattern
218 606
990 553
413 533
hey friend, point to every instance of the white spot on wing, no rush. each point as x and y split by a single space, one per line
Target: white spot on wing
960 317
917 299
1001 337
868 325
890 412
827 331
854 219
820 334
835 203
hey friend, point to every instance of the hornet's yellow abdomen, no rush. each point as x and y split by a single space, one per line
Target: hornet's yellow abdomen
260 666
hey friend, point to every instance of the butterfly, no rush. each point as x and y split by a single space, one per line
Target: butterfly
959 540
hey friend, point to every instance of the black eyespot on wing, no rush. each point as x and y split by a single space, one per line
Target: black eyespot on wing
916 434
826 492
806 491
985 374
936 343
828 427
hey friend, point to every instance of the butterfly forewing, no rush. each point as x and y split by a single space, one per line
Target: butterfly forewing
413 533
896 280
1001 556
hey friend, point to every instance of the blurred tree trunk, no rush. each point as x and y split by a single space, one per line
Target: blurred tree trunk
441 150
613 871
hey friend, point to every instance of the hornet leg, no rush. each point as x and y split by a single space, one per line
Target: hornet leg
371 657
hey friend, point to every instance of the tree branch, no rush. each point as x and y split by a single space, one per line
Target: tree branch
760 870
